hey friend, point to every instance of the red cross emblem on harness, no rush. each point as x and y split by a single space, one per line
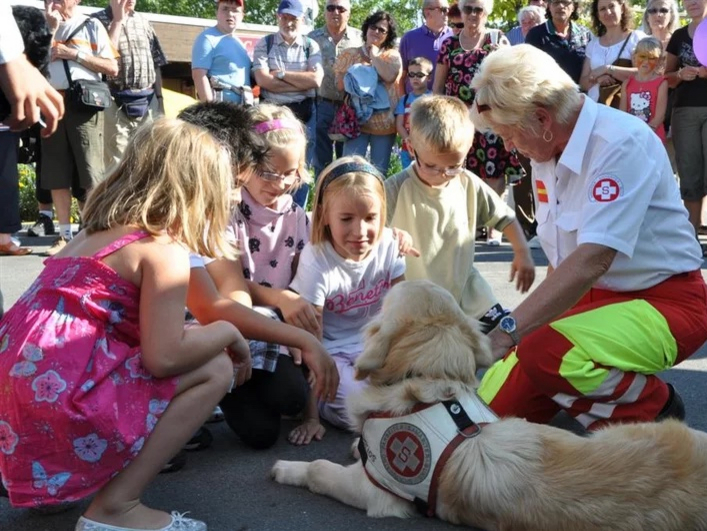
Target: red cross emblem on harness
606 189
406 453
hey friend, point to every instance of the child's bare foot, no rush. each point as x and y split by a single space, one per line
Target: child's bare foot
305 432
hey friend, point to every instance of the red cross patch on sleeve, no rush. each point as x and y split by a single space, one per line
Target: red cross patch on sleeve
605 189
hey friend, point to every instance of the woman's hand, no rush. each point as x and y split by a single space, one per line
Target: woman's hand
373 51
300 313
239 351
324 373
522 271
605 80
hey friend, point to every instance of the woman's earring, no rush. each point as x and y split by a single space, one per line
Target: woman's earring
548 136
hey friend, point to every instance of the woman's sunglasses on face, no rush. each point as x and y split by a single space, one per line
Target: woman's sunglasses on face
379 29
468 10
655 10
338 9
457 25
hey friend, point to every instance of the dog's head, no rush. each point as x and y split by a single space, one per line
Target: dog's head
421 332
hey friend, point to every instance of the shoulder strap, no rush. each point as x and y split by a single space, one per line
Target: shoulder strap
307 47
623 46
120 243
405 99
269 42
71 36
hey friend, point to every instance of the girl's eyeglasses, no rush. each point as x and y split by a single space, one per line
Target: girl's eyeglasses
338 9
457 25
655 10
476 10
418 75
287 179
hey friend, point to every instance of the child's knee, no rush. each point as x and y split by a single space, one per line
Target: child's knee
220 372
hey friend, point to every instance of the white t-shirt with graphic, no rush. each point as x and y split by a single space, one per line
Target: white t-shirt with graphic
350 292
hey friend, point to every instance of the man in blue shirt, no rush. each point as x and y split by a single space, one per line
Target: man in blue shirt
218 53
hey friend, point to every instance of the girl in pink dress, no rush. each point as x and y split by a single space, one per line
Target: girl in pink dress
100 384
645 94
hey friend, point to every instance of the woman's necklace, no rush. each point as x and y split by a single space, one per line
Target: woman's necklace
475 41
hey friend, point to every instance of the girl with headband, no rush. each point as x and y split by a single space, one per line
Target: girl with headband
349 265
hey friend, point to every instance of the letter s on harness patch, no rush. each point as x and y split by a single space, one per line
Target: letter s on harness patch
406 453
605 189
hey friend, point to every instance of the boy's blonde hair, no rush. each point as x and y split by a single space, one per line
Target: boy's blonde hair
440 124
365 179
649 45
174 178
280 128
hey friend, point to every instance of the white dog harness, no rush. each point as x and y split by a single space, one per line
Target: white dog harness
405 455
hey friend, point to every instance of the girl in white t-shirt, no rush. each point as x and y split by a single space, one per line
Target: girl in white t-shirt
350 263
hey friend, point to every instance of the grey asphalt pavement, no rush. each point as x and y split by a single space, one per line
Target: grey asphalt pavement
228 485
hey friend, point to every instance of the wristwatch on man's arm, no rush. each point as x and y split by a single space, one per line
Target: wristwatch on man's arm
508 325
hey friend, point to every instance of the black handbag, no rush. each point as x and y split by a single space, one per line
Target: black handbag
87 95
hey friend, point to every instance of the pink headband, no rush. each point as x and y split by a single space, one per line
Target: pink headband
279 123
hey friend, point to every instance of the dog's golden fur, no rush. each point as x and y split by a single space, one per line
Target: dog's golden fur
515 475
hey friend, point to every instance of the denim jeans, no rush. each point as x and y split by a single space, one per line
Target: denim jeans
381 148
323 152
300 196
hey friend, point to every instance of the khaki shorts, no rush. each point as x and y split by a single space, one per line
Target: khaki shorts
74 154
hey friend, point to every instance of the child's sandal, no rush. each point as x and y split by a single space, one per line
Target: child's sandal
179 523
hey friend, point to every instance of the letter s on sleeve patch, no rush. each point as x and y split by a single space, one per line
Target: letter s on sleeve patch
605 189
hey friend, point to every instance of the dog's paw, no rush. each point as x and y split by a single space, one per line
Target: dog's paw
355 453
290 473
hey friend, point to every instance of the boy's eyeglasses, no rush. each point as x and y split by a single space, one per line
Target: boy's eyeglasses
338 9
272 177
379 29
418 75
654 10
457 25
447 172
476 10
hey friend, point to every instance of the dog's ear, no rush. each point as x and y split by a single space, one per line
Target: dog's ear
480 343
378 335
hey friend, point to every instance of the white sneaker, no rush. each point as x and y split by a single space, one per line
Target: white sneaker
179 523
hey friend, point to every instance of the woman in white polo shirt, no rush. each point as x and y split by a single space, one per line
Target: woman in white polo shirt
624 298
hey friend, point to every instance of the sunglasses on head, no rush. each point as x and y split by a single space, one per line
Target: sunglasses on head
457 25
418 75
654 10
468 10
338 9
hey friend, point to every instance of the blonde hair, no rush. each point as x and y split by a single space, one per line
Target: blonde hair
175 178
649 45
441 124
356 183
514 81
281 137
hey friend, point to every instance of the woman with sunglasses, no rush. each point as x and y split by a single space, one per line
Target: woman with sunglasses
378 51
454 19
689 121
458 61
562 37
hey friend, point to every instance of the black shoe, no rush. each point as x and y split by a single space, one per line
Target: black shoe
43 227
201 440
674 408
176 463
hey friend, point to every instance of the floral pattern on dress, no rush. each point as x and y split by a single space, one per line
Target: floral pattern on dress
8 438
488 157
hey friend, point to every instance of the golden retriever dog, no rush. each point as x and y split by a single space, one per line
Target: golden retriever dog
511 474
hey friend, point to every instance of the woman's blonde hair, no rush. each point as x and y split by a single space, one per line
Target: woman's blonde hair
280 128
674 16
441 124
514 81
358 182
174 178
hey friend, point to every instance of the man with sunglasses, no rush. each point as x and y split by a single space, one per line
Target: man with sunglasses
425 41
334 37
